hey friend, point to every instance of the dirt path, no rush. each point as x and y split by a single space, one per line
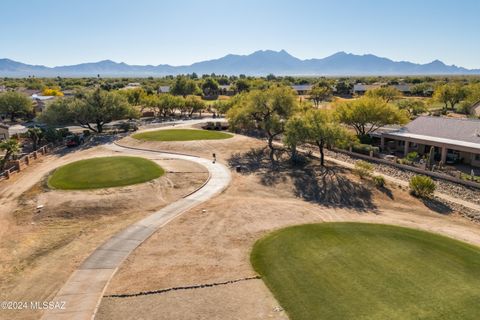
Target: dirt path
84 289
72 223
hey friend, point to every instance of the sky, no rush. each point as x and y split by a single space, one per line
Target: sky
180 32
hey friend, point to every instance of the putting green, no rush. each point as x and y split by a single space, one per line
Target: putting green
181 135
369 271
104 172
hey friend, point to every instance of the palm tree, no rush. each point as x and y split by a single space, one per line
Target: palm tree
11 147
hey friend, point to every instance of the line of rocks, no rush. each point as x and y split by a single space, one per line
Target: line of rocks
198 286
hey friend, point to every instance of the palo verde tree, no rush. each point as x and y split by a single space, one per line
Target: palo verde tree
194 104
386 93
450 93
210 87
11 148
264 110
367 114
318 127
14 104
413 107
320 92
90 109
184 87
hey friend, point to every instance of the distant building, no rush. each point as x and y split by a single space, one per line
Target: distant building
404 88
164 89
132 85
6 131
454 140
361 88
3 88
302 89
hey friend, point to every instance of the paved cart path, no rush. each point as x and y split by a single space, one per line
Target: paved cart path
84 289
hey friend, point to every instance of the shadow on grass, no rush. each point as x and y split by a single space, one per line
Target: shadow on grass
328 186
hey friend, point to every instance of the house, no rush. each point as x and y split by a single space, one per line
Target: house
361 88
132 85
6 131
475 109
164 89
454 140
404 88
302 89
3 88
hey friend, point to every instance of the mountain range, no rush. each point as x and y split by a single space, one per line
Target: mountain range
259 63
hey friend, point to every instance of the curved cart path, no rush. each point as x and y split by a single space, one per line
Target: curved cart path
84 289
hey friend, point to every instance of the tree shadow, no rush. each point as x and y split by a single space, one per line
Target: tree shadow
386 191
328 186
437 206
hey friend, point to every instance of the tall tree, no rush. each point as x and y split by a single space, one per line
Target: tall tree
320 92
265 110
367 114
14 104
386 93
451 93
184 87
414 107
194 104
11 147
210 87
318 127
89 108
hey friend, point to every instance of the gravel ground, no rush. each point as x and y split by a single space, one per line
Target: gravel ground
446 187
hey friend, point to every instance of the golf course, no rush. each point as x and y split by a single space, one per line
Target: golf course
181 135
104 172
369 271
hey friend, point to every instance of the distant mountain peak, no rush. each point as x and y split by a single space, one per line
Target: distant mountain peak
261 62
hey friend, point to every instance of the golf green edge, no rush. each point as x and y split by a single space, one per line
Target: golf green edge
369 271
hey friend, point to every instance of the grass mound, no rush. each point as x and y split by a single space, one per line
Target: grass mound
104 172
181 135
369 271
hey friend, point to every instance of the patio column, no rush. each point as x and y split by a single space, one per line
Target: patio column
382 142
405 152
443 159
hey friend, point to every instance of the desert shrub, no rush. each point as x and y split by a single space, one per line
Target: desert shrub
363 169
422 186
412 156
364 148
379 181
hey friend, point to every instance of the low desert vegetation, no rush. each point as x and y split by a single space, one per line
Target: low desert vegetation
363 169
104 172
422 186
368 271
181 135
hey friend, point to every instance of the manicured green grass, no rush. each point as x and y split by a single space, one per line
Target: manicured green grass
104 172
369 271
181 135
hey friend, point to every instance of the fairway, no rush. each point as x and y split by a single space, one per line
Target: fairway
104 172
369 271
181 135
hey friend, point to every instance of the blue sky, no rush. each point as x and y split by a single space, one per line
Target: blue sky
59 32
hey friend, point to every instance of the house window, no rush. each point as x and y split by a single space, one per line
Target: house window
477 157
